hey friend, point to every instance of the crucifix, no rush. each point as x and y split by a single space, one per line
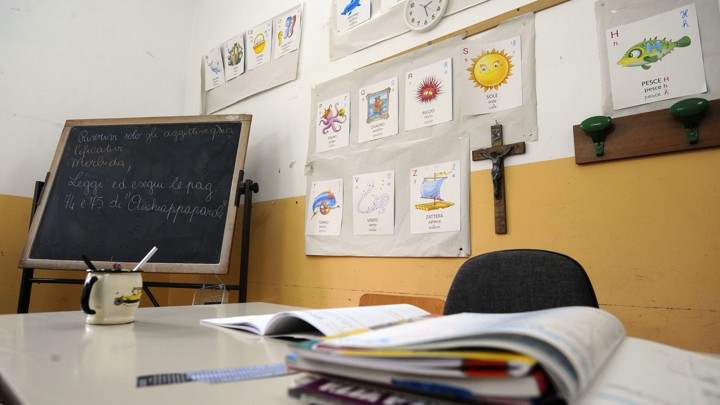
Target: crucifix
496 153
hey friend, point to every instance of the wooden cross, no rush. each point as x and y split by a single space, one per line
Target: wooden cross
496 153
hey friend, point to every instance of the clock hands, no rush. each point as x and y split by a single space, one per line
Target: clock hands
425 6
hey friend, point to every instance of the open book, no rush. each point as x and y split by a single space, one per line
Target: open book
315 323
583 351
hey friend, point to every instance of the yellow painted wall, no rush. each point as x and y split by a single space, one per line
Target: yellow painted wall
646 231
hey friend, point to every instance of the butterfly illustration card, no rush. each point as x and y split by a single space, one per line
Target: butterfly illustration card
428 95
494 76
435 198
657 58
234 57
325 208
378 105
374 203
258 42
333 123
287 33
351 13
214 72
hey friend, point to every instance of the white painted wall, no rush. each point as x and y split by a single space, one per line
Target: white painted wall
77 59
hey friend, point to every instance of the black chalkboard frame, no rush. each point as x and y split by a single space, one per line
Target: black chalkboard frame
167 266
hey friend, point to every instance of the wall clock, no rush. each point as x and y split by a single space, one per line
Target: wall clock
422 15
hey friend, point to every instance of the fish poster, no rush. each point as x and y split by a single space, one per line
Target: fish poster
258 42
435 198
429 95
214 72
657 58
378 105
234 57
374 203
325 208
351 13
287 29
494 76
333 123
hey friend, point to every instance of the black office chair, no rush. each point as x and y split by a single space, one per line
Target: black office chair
519 280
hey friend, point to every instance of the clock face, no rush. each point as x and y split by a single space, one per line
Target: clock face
421 15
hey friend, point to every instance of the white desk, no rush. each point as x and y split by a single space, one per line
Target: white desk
55 358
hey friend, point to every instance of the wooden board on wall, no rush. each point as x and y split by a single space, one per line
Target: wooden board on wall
118 187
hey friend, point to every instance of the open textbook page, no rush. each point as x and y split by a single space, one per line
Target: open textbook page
314 323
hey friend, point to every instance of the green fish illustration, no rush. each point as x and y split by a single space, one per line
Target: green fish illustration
650 51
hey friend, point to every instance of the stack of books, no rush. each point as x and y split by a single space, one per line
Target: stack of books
399 354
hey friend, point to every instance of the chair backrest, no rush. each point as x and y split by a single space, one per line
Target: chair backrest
519 280
433 305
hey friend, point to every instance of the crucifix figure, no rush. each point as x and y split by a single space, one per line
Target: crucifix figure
497 153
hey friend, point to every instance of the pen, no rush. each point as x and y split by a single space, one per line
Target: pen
90 264
146 258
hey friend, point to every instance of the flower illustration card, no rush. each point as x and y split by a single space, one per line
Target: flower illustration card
333 123
657 58
428 95
374 203
287 37
214 72
325 202
435 198
234 57
378 105
351 13
258 42
494 76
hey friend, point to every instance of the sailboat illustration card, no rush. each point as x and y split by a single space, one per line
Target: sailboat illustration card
333 123
378 104
351 13
494 76
428 95
234 57
658 58
435 198
287 37
214 72
374 203
325 202
258 42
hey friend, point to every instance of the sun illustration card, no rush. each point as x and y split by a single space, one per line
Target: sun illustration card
493 73
287 33
333 123
435 198
214 72
325 208
258 42
234 57
374 203
378 104
351 13
658 58
428 95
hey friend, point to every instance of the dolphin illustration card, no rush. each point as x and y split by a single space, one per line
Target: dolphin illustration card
374 203
325 208
287 33
429 95
234 57
378 106
333 123
494 76
214 72
258 42
435 198
351 13
657 58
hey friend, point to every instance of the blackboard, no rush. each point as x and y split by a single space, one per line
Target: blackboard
118 187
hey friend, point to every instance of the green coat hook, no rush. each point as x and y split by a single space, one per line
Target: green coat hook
595 128
690 111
